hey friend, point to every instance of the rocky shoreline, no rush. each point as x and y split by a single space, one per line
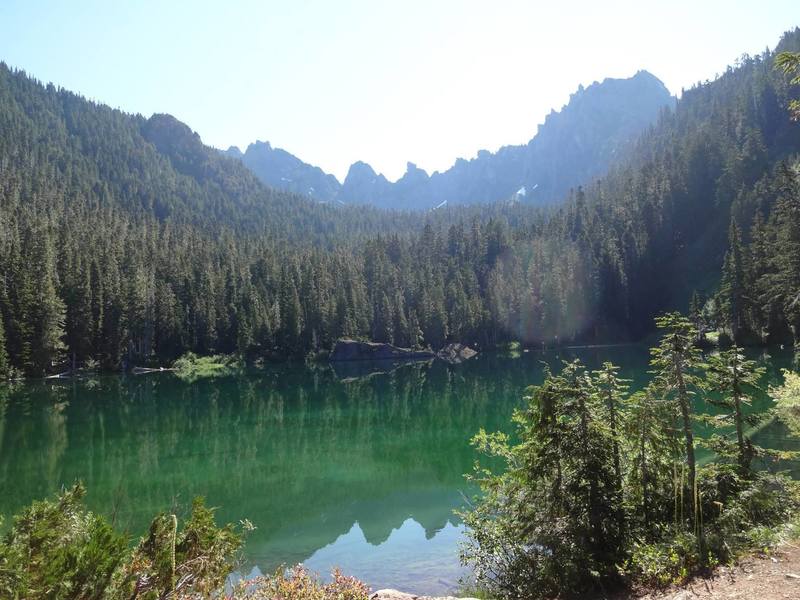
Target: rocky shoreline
390 594
356 350
346 350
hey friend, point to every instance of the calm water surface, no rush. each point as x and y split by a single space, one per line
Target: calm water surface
335 467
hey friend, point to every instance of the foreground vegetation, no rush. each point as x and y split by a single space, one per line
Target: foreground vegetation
603 487
58 550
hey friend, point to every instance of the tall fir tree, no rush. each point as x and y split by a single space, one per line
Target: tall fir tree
48 313
676 363
733 378
4 364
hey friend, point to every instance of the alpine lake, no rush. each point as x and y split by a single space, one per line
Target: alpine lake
352 465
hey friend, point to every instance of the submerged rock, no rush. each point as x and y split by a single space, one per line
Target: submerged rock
356 350
456 353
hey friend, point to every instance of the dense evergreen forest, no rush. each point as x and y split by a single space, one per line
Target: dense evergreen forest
126 240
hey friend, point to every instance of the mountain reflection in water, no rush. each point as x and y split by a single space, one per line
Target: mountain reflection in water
354 469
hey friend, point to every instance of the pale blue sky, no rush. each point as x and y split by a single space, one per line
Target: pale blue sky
385 82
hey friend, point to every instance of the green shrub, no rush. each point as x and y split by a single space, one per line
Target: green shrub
56 549
191 367
299 584
665 562
787 400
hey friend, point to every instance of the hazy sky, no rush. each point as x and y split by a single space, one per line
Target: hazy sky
385 82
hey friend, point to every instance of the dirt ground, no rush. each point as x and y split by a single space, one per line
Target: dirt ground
775 577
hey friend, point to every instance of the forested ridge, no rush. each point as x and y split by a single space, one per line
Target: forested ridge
125 239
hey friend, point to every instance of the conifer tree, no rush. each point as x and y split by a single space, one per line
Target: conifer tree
80 327
675 363
787 399
732 376
4 365
789 63
48 311
383 322
291 315
415 333
784 285
611 391
696 313
733 285
557 504
400 322
651 444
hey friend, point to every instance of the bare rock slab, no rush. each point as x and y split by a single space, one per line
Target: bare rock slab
346 349
389 594
456 353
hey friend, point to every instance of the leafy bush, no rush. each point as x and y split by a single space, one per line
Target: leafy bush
299 584
191 367
787 400
754 517
56 549
665 562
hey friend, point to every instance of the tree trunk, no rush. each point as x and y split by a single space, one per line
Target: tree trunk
683 398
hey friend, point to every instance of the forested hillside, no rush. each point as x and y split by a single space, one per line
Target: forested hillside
579 142
126 240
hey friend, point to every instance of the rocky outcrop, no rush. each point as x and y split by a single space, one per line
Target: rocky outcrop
395 595
364 186
357 350
572 147
279 169
456 353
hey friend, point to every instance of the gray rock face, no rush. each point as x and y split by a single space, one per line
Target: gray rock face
396 595
456 353
573 146
356 350
279 169
391 595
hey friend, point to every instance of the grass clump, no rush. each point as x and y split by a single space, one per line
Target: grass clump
192 367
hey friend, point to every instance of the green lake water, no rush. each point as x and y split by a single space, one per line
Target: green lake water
335 467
